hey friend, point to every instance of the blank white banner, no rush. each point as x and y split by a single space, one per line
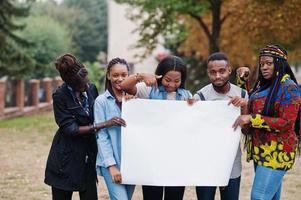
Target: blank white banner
168 143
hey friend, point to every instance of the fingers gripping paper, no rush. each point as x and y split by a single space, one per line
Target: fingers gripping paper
169 143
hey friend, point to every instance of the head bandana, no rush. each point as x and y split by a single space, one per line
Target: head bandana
273 51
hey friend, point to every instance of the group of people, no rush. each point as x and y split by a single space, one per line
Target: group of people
88 141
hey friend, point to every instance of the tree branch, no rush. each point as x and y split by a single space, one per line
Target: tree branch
201 23
225 17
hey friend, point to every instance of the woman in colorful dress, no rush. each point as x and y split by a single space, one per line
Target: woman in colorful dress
272 125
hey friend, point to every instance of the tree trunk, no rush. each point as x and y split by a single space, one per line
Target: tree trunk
213 45
216 26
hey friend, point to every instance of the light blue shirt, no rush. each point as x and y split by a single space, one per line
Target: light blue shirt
161 93
108 139
146 92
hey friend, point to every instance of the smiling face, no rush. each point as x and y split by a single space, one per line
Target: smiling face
117 74
267 67
218 72
171 80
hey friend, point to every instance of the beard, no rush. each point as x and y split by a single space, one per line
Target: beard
221 86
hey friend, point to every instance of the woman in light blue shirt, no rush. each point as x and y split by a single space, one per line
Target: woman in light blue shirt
106 106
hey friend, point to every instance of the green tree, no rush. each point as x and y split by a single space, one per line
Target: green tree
9 10
12 59
86 22
49 40
97 74
166 18
197 28
14 62
89 31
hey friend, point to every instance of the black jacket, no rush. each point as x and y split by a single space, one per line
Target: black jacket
71 160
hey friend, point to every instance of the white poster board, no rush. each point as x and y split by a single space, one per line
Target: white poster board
169 143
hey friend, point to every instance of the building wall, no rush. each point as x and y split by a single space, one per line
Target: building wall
121 39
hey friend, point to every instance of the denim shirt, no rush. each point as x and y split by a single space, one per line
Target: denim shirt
108 139
161 93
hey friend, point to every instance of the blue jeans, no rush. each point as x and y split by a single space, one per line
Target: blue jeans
230 192
117 191
267 183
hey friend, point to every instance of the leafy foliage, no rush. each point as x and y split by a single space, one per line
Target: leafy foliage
52 29
158 19
238 28
12 59
49 40
97 74
88 22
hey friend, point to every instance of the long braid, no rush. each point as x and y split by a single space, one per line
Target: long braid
269 106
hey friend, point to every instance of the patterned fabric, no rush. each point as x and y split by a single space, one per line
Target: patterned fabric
274 51
243 82
272 141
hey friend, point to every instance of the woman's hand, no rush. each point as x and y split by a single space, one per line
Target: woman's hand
115 121
241 121
150 79
238 101
115 174
243 72
128 97
191 101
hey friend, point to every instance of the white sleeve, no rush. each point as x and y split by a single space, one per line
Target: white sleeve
143 91
196 97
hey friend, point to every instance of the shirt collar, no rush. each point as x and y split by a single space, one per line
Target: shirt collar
161 88
108 94
73 92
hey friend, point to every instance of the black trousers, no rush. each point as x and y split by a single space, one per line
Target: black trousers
230 192
89 194
156 193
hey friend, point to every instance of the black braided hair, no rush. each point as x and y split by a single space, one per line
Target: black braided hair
72 71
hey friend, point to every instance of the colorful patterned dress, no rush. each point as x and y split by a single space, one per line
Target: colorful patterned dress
272 141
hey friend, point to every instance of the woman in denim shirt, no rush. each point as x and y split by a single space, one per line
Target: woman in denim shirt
168 83
71 161
106 106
